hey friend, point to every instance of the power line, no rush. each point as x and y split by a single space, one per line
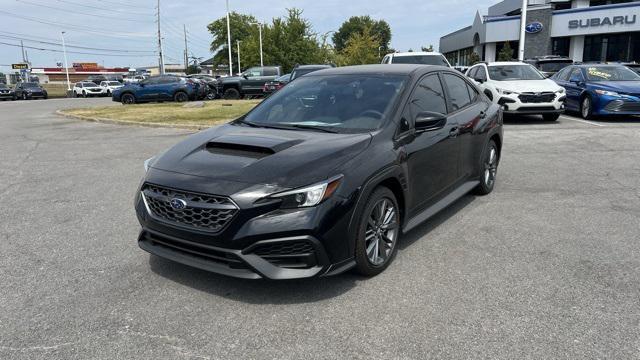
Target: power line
76 46
70 52
118 3
76 27
104 9
80 12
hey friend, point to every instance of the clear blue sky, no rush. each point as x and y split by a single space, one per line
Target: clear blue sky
129 24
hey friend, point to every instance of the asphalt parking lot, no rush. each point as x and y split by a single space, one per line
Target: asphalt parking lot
548 266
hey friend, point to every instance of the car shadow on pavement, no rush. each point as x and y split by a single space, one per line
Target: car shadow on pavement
287 291
255 291
527 120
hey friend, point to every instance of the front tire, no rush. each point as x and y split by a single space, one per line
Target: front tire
231 94
586 108
128 99
181 96
24 96
378 233
551 117
489 169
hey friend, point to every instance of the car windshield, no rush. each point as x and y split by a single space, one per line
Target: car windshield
88 84
113 83
514 72
299 72
554 66
336 103
421 59
3 86
611 73
30 85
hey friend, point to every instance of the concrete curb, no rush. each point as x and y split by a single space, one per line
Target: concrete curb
132 123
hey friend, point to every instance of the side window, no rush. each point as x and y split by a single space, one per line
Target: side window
563 75
576 73
458 92
253 72
472 73
270 71
428 96
473 93
385 60
482 73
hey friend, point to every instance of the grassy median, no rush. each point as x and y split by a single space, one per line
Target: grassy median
213 113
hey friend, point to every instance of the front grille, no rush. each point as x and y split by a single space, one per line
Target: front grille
537 98
623 106
202 211
288 254
536 108
205 252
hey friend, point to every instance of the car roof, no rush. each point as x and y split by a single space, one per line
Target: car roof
503 63
418 53
379 69
318 66
597 64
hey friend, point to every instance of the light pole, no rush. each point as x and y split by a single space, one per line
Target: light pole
239 67
229 41
523 28
260 34
380 51
66 66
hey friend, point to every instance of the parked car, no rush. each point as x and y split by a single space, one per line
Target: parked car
109 86
462 69
202 88
6 93
300 70
211 85
272 86
97 79
134 79
519 88
633 66
550 64
249 83
417 57
30 90
324 176
157 88
594 90
87 89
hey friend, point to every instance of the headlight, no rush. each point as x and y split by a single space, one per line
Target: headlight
608 93
561 91
310 195
148 163
506 92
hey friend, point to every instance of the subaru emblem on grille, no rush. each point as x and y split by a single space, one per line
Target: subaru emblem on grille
177 204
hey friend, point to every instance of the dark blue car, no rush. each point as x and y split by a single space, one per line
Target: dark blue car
594 89
157 88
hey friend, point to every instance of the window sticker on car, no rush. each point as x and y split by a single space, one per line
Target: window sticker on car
599 73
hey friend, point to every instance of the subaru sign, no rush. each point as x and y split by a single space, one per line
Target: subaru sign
534 27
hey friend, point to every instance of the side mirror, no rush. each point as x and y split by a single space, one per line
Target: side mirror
480 81
429 121
245 76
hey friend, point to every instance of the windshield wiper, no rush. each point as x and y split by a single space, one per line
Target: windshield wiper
312 127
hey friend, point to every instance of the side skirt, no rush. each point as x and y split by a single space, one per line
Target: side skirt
440 205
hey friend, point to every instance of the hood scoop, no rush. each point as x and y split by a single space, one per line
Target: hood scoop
249 146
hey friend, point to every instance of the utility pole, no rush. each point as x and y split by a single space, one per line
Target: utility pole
160 43
260 32
24 57
239 67
523 28
186 49
66 66
228 41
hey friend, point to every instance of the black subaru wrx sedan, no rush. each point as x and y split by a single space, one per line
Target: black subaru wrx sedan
324 176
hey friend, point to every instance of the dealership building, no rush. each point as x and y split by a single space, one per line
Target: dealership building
584 30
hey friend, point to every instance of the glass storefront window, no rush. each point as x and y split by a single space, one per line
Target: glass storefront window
612 48
560 46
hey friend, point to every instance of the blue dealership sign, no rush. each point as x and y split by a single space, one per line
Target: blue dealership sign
534 27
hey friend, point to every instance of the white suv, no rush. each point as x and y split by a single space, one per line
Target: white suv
519 88
109 86
86 89
418 57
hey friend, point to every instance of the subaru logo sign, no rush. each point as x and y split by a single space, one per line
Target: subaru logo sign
178 204
534 27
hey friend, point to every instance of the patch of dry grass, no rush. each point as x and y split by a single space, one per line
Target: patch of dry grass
213 113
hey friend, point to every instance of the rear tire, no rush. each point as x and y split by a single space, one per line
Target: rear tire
551 117
181 96
378 233
231 94
128 99
488 169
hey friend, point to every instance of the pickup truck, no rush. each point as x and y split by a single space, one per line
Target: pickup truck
249 83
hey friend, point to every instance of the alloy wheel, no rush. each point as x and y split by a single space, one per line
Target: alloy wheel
491 168
381 232
586 107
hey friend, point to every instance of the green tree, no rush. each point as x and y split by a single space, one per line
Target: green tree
357 24
506 54
361 48
241 28
474 58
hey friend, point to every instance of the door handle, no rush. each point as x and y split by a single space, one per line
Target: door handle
454 132
483 114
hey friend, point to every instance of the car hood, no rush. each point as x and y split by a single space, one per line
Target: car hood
285 158
528 86
628 87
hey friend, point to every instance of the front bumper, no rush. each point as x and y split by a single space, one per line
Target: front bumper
257 241
529 104
7 95
610 105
